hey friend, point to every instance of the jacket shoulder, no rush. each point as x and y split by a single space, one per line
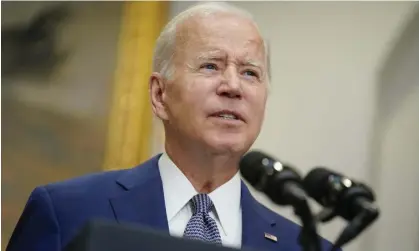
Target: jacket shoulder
88 183
100 183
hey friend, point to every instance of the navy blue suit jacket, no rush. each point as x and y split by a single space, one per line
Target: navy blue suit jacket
56 212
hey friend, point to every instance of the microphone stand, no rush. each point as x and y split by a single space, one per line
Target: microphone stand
309 239
361 221
358 210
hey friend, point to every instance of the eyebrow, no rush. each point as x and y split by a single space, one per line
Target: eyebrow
253 63
213 55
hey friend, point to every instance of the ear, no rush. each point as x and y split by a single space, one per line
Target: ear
157 90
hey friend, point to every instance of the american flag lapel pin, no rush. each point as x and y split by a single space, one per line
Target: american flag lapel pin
271 237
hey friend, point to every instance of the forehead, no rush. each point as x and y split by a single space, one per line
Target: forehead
220 35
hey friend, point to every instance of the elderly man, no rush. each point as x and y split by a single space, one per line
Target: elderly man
209 88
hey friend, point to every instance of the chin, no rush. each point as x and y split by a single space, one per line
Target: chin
232 145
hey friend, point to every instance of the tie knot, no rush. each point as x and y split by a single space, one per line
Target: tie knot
201 203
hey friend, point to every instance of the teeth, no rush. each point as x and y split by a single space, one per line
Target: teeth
227 116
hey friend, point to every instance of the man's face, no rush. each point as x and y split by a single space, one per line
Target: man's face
217 94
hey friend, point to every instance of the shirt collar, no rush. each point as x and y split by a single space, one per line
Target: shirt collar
226 199
178 191
176 187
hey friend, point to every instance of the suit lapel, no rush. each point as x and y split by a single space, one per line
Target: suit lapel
256 224
141 199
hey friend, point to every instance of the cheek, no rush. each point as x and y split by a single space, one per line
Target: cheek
175 103
257 105
185 102
198 93
257 98
191 88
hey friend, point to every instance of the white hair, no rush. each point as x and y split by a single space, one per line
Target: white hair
165 44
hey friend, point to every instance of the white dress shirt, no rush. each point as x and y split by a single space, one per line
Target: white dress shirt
178 191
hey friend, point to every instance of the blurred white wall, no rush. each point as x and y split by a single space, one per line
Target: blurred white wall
329 65
395 161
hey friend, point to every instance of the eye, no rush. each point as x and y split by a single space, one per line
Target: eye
209 66
251 73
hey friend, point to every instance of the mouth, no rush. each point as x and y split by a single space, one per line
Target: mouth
228 115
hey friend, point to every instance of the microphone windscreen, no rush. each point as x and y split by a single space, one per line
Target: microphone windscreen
279 181
251 166
315 183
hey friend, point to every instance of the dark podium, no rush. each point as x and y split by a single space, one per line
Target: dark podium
111 236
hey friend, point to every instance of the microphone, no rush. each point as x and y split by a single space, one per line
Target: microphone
342 196
283 185
279 181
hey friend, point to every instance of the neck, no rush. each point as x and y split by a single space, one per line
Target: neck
204 169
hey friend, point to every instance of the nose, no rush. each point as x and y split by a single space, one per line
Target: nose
230 85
